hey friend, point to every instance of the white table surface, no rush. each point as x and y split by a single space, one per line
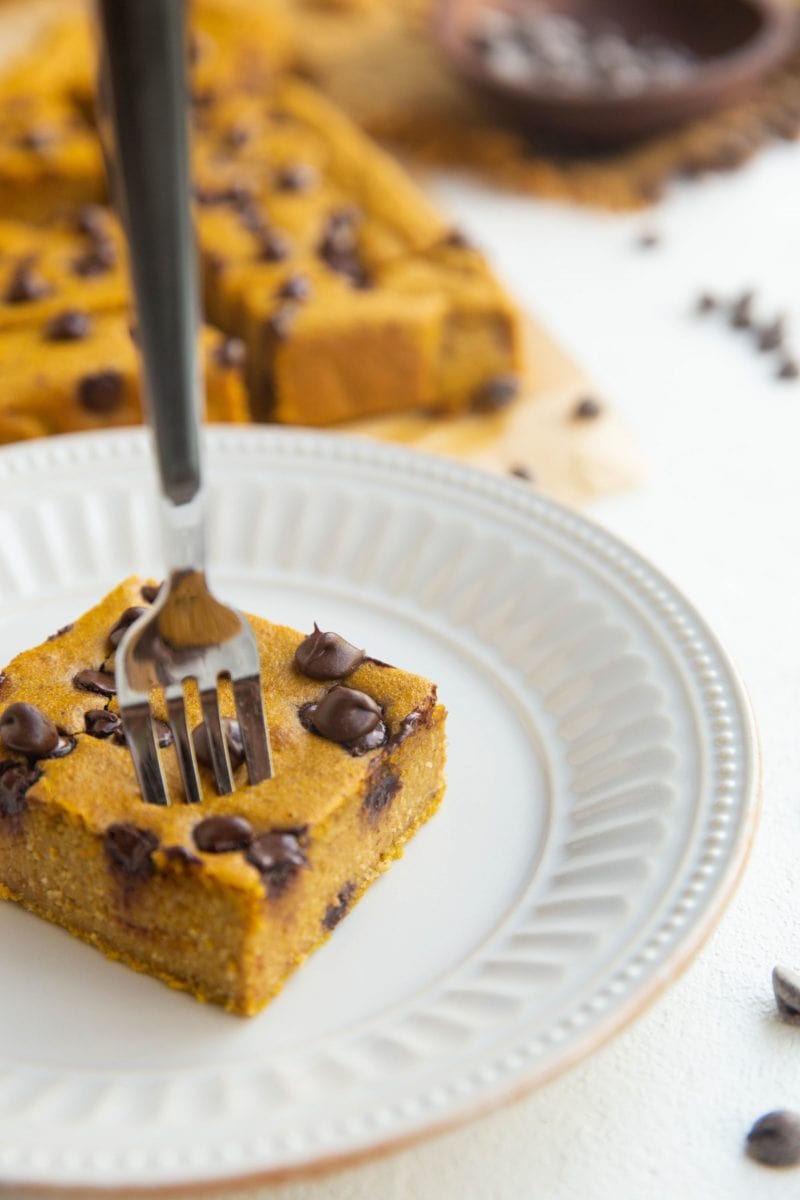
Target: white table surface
662 1110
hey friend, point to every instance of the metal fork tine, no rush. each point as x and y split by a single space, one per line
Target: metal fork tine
144 752
253 724
216 741
184 748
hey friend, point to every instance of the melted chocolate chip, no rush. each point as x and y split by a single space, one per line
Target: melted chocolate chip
296 177
123 624
101 257
344 714
278 856
15 781
587 409
218 835
381 791
457 240
69 326
101 722
26 284
335 912
326 656
102 392
26 729
233 738
102 682
180 854
116 729
296 287
272 245
496 393
149 592
338 247
60 632
231 352
130 849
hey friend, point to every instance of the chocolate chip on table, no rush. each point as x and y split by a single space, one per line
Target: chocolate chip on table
27 730
124 622
60 632
335 912
326 656
381 791
770 337
130 849
72 325
788 369
102 682
521 472
221 834
149 592
278 856
741 315
16 779
231 352
26 284
296 177
786 986
496 393
587 409
296 287
233 739
774 1140
180 854
102 392
345 715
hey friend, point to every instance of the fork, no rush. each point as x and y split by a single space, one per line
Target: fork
188 635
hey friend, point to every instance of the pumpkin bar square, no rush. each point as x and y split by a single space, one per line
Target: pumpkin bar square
224 898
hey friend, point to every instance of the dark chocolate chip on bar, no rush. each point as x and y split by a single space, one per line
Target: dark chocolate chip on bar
326 656
232 731
221 834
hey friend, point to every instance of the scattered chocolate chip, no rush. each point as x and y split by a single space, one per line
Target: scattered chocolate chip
149 592
233 738
130 849
180 854
278 856
706 303
26 729
770 337
92 219
218 835
587 409
335 912
15 781
101 722
344 714
69 326
26 284
774 1140
273 246
296 287
296 177
521 472
788 369
648 240
419 716
741 315
98 259
496 393
281 322
60 632
338 246
231 352
101 682
786 986
381 791
124 622
102 392
236 136
326 656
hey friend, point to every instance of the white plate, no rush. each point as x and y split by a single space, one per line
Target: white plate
602 794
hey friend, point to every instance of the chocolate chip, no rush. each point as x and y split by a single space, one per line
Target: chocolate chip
296 287
161 730
771 336
149 592
338 247
101 257
326 656
233 738
69 326
648 240
124 622
231 352
273 246
741 316
60 632
520 472
26 284
587 409
296 177
102 392
788 369
496 393
101 722
218 835
130 849
236 136
26 729
335 912
774 1140
344 714
92 220
102 682
381 791
180 854
281 322
278 856
458 240
706 303
39 138
786 986
15 781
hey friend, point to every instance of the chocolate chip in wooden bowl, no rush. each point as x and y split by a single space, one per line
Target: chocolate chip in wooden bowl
334 913
231 352
347 716
774 1140
102 392
786 986
232 731
496 394
326 656
130 850
124 622
296 177
72 325
278 856
26 284
223 834
101 682
24 728
16 780
587 409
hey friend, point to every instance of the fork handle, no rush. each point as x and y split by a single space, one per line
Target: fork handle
143 85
